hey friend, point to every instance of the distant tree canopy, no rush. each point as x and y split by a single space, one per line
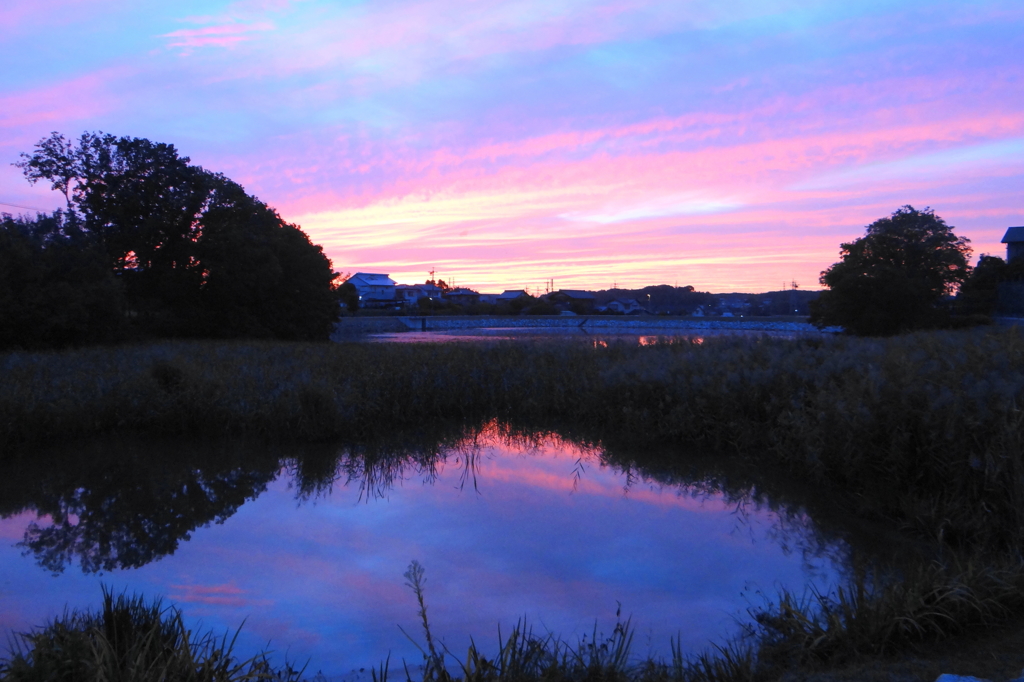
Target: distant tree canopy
663 298
980 293
894 278
176 249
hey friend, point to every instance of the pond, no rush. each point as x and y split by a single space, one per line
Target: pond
309 546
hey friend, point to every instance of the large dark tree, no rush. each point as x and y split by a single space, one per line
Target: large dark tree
894 278
194 254
55 286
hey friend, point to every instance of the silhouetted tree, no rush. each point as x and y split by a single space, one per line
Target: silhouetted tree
349 296
55 286
979 293
894 277
440 284
194 254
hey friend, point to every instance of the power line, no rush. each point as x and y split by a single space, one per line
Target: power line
27 208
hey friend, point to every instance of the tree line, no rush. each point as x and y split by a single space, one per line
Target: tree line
151 246
910 271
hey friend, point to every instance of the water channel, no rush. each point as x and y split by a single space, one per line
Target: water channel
309 547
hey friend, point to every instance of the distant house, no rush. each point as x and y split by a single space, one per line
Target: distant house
578 300
511 295
1014 240
734 305
462 296
373 287
430 290
411 294
624 306
408 293
1010 294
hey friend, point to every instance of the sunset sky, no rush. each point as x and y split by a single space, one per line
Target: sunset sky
727 145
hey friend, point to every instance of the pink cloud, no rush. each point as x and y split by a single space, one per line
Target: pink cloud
224 595
223 35
60 104
676 207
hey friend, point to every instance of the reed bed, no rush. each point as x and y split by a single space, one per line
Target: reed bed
876 615
131 640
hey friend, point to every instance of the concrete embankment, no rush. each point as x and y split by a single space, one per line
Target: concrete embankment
355 326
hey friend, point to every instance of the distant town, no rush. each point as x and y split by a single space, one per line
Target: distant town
377 291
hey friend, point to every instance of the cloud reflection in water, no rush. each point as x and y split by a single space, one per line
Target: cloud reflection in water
543 531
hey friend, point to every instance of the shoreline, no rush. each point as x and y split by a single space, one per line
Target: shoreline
347 327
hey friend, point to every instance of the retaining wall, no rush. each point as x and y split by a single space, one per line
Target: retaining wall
598 322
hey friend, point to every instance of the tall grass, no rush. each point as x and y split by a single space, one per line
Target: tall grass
522 655
130 640
873 616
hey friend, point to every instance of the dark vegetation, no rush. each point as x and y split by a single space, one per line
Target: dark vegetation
902 276
894 278
661 298
128 639
994 286
151 246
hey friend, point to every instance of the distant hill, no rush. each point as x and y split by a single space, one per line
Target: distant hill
665 299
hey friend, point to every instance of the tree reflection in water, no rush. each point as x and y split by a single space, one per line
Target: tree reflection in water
124 502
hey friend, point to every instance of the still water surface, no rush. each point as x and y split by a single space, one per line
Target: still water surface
312 558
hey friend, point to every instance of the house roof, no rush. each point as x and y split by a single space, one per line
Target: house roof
1013 234
576 293
512 293
462 292
373 279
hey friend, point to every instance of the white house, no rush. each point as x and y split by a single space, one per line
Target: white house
373 287
624 305
1014 240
